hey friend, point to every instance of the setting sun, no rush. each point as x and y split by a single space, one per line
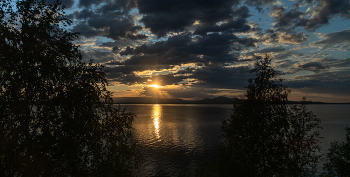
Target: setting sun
155 86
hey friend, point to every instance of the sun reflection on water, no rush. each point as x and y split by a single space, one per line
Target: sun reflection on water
157 115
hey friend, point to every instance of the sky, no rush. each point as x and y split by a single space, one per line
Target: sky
195 49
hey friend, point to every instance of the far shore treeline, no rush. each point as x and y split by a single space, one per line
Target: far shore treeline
216 100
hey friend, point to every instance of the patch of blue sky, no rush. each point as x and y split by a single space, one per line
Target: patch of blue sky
339 55
261 18
308 49
336 24
134 11
102 39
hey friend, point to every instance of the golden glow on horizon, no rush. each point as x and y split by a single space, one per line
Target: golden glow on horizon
156 115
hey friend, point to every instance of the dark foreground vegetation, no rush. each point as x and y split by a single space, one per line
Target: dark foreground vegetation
58 119
56 116
267 136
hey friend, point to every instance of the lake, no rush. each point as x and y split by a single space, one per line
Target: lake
175 138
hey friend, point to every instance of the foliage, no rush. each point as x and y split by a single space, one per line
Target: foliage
56 116
339 157
266 136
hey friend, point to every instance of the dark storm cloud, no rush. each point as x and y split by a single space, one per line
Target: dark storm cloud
116 7
313 66
146 60
337 82
113 28
319 86
123 75
320 66
116 27
338 63
335 38
88 3
305 1
238 25
161 23
83 14
166 16
98 56
326 10
111 19
291 18
198 93
219 77
85 30
180 49
66 3
260 2
285 64
320 16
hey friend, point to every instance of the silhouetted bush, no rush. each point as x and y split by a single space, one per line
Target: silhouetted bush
56 116
339 158
265 136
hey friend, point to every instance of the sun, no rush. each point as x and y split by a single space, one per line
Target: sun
155 86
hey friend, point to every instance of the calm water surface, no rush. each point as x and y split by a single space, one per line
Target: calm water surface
175 138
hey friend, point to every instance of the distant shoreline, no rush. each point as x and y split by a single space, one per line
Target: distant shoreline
217 100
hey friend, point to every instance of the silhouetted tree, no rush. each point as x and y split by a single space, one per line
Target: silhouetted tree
339 157
56 116
265 136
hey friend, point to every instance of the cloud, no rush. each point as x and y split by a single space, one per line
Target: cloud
292 38
337 38
206 77
283 37
260 2
126 75
98 56
285 64
162 23
292 18
326 10
181 49
219 77
85 30
88 3
168 79
197 40
66 3
318 16
269 50
235 25
332 82
337 63
177 92
162 17
313 66
111 19
83 14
